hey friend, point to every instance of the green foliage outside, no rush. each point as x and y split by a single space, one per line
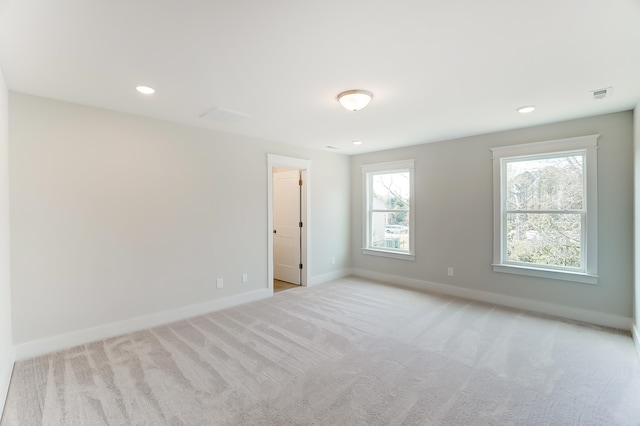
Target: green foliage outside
391 191
544 202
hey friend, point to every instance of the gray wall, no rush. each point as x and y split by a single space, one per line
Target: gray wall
636 145
116 216
6 347
454 216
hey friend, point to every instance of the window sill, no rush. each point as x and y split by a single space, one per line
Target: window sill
391 254
577 277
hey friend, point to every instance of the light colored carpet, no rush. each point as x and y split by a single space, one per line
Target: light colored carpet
348 353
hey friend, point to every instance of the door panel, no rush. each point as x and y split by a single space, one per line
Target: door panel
286 219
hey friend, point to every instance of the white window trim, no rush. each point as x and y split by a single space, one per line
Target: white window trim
388 167
587 144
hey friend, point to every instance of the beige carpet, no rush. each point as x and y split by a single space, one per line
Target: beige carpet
348 353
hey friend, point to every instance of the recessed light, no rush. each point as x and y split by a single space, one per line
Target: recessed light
526 109
145 90
357 142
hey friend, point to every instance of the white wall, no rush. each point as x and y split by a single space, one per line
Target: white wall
6 345
117 216
454 218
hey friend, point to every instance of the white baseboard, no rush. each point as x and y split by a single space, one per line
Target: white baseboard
5 378
325 278
636 338
80 337
584 315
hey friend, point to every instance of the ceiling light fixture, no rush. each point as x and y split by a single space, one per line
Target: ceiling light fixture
355 100
145 90
526 109
357 142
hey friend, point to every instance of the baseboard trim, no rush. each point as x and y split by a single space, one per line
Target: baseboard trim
577 314
328 277
5 379
63 341
636 338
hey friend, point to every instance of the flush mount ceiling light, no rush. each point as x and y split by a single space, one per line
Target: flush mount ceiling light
526 109
355 100
145 90
357 142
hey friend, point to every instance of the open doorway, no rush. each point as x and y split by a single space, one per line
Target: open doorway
287 226
288 220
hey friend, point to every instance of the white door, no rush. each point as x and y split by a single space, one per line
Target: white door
286 226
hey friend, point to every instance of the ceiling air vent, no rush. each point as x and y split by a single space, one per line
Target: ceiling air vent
601 93
222 115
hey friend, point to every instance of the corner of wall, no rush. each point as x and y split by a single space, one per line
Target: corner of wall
7 350
5 378
636 287
636 338
331 276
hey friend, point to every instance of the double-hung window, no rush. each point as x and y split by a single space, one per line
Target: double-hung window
545 209
388 209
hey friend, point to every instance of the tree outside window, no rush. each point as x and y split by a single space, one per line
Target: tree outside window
545 209
388 209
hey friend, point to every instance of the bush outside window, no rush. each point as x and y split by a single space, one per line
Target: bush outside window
545 209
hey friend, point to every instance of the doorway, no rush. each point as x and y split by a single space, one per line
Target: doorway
287 225
288 219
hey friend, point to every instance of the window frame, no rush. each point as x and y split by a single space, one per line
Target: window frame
585 145
368 171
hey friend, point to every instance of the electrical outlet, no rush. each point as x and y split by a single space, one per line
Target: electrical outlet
245 278
219 283
450 271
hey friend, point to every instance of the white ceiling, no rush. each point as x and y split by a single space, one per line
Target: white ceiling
438 69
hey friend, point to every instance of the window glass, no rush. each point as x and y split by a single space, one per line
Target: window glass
545 183
388 209
543 203
545 209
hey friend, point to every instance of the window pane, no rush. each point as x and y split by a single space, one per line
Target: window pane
390 230
544 239
390 191
545 184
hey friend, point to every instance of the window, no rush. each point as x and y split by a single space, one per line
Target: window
545 209
388 209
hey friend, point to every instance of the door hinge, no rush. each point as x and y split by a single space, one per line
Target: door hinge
300 266
300 224
300 182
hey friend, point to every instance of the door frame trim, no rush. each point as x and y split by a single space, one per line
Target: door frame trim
274 161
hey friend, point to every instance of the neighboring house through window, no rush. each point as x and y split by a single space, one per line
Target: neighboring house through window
545 209
388 209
